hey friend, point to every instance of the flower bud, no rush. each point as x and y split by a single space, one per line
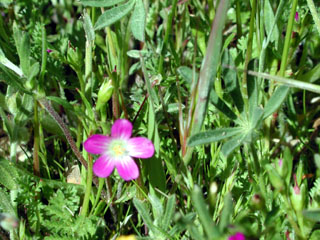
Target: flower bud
297 197
257 201
104 94
213 193
282 167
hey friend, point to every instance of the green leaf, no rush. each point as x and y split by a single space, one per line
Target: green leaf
312 75
231 80
209 66
255 118
212 136
5 203
275 101
187 74
113 15
9 175
226 212
312 215
138 21
233 143
23 47
269 20
144 212
315 235
34 70
62 102
222 106
157 207
203 214
169 211
7 63
88 28
100 3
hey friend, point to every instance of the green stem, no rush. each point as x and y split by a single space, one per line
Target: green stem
36 165
88 67
238 18
314 14
166 36
44 57
101 183
85 205
248 55
288 39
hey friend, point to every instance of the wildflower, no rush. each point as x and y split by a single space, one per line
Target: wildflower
49 50
237 236
117 151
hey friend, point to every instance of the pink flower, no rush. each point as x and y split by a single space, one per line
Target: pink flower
237 236
117 151
49 50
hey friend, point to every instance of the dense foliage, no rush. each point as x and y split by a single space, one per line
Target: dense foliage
227 91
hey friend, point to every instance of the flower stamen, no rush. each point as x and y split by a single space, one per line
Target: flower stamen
118 150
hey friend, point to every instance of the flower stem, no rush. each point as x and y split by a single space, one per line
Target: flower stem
287 39
166 36
86 200
36 165
101 183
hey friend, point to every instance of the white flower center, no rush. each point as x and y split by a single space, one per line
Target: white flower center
118 148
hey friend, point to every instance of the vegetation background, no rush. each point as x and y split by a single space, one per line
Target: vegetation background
228 92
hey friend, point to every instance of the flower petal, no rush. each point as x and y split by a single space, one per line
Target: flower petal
121 128
97 144
103 166
127 168
140 147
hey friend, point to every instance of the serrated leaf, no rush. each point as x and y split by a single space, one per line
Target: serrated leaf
113 15
100 3
213 136
138 21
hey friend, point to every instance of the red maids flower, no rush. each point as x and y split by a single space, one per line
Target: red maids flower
117 151
237 236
